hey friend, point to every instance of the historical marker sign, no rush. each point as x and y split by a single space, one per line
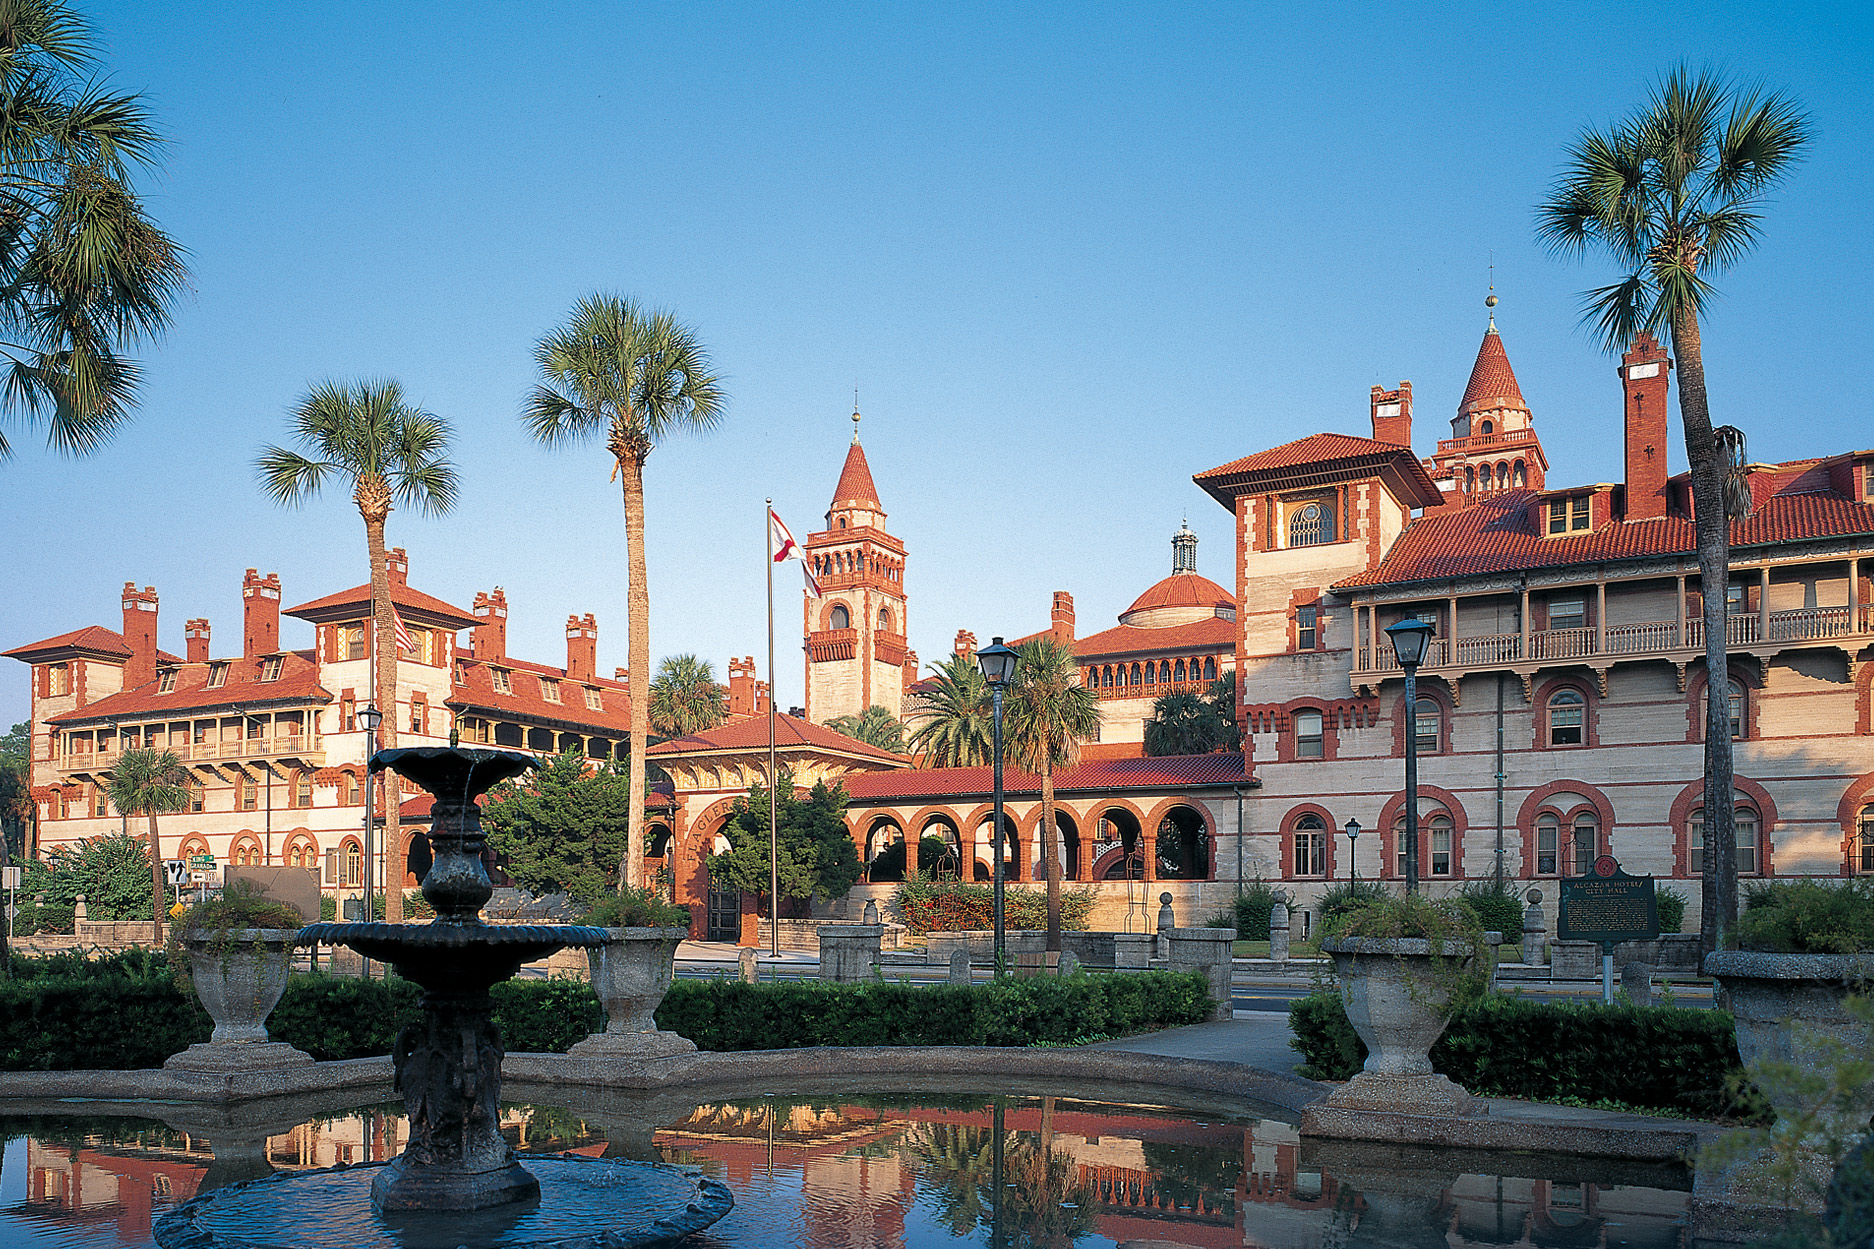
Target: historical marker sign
1608 907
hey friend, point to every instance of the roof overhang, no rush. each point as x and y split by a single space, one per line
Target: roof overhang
1399 471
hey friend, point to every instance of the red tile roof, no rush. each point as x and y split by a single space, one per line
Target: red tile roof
408 601
790 732
1493 382
1131 640
1309 460
1172 771
95 639
474 691
1496 535
1183 589
298 683
855 481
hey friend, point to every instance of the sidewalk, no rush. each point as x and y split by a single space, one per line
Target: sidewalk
1257 1038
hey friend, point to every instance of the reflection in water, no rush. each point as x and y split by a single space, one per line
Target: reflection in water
1007 1172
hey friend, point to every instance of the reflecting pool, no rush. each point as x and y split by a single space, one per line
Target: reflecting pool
857 1171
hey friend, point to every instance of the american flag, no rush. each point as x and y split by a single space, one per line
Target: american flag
405 642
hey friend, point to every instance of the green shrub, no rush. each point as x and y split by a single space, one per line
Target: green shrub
1253 905
1346 896
952 906
546 1016
338 1017
1496 909
1222 919
1671 905
112 1022
52 918
1807 917
731 1015
1661 1057
136 963
635 908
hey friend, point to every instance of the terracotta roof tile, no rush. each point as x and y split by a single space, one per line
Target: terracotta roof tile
1099 774
94 638
1308 461
475 691
1496 535
1314 449
406 599
298 682
855 481
789 731
1130 639
1184 589
1493 382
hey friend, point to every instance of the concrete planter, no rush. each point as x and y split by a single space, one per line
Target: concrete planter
631 972
849 952
1397 1004
239 986
1768 992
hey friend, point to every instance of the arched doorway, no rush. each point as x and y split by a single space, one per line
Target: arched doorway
1067 847
884 850
1011 849
949 864
1116 828
417 859
722 905
1183 846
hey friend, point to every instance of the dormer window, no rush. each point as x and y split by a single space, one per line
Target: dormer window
501 683
58 680
270 668
1568 515
1311 522
594 701
217 675
549 689
166 681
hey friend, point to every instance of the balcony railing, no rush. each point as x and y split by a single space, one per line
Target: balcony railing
1480 442
307 746
1647 637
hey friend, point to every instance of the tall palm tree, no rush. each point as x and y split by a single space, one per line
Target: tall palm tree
952 717
150 783
632 377
1048 714
1672 194
875 726
685 698
1182 723
389 451
84 272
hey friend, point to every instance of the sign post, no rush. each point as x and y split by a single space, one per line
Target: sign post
10 876
1607 907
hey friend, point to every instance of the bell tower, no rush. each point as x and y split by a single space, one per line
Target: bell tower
857 654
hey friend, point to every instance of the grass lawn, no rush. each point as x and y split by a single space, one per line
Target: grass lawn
1260 949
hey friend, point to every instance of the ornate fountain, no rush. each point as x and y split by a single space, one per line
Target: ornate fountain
448 1068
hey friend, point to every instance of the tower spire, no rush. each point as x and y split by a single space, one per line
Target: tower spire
1490 298
1184 548
855 416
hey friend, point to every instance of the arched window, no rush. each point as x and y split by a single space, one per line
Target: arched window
1136 676
1119 677
1487 429
1864 841
302 851
1738 719
1310 846
353 864
1164 672
1178 671
1567 851
1568 718
1106 676
1311 524
1428 726
839 617
245 853
842 522
1151 674
1470 478
884 620
1435 844
1308 736
1503 476
1519 476
1210 668
1747 825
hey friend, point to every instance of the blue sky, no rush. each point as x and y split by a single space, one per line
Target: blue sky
1069 254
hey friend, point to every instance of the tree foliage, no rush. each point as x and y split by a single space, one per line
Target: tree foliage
150 783
561 829
952 726
16 803
685 697
1183 723
84 272
112 872
816 856
875 726
1049 714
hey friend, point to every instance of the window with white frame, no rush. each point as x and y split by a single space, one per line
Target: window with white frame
502 683
1568 718
1427 725
1311 523
1436 839
1736 689
1310 846
1309 740
1864 840
1745 824
1307 627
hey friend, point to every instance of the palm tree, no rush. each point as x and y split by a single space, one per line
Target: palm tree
875 726
1182 723
84 272
632 377
150 783
685 698
953 717
1048 713
388 450
1673 194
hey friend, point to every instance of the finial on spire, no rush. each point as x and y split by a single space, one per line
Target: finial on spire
1490 299
855 418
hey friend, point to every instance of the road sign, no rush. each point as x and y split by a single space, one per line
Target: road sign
12 911
202 862
9 878
175 871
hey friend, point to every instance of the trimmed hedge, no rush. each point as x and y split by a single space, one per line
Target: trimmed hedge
1661 1057
732 1015
98 1022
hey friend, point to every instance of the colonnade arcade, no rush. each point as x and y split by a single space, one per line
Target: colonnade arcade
514 735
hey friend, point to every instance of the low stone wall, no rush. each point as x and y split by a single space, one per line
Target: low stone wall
1672 954
1192 902
123 932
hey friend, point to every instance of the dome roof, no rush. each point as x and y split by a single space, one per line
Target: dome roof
1178 599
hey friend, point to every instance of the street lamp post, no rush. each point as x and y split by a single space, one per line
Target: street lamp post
1409 640
998 664
1353 836
370 717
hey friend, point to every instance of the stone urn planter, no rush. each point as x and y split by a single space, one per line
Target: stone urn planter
239 977
1398 991
1770 992
631 972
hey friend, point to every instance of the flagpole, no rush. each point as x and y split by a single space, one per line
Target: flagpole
774 841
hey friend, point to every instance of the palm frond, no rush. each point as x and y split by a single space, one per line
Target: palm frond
289 478
364 430
1764 137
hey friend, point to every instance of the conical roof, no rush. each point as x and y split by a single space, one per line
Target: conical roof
1493 382
855 487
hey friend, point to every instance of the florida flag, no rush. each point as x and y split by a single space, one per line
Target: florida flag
784 548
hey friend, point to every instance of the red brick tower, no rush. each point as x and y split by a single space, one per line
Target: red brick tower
1645 374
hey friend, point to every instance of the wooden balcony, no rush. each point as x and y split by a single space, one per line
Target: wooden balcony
1759 634
306 748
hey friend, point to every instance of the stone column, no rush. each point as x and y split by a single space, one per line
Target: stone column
745 967
1535 928
960 966
1166 922
849 952
1278 927
1206 950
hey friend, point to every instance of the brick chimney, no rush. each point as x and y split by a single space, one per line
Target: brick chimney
197 633
965 643
582 647
491 626
139 634
1063 616
1645 375
1392 415
747 696
260 614
397 564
